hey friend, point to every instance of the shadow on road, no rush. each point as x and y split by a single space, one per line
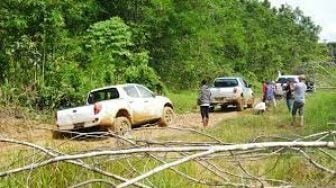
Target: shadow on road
221 110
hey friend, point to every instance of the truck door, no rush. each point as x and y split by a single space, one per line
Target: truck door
136 104
247 91
150 104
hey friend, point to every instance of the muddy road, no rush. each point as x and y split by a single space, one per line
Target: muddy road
24 129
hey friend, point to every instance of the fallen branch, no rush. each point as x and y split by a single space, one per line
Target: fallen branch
93 181
218 148
75 162
314 163
163 167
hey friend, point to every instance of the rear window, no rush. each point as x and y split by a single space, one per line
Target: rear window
284 80
226 83
102 95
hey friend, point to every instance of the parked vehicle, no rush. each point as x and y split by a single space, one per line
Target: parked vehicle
231 91
310 86
281 83
118 108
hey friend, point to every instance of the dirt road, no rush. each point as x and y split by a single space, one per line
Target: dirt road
26 130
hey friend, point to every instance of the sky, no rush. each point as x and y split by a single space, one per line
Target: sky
322 12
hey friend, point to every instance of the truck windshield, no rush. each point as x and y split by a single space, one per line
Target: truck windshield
101 95
226 83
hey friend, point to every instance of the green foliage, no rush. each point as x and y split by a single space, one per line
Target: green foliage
54 52
184 101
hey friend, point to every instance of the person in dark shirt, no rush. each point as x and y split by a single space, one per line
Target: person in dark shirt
264 89
288 95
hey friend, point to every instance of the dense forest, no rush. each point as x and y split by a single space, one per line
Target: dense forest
54 51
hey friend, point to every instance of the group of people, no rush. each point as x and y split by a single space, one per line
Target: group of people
294 95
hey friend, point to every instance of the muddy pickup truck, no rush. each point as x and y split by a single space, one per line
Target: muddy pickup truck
117 108
231 91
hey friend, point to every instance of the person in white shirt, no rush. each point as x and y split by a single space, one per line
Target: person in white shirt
299 90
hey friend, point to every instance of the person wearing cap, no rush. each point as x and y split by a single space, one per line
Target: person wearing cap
299 91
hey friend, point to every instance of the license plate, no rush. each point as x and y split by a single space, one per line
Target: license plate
78 125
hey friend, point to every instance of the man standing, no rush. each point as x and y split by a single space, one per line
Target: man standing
299 100
270 100
264 89
204 102
288 96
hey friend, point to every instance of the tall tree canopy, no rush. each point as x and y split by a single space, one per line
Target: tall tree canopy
53 52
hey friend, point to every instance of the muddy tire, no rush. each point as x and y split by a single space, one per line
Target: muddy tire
57 134
224 106
168 117
250 105
122 125
240 105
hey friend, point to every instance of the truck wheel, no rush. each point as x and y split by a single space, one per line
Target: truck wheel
167 118
240 105
121 125
251 104
224 106
57 134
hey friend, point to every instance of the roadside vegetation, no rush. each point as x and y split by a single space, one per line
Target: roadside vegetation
53 52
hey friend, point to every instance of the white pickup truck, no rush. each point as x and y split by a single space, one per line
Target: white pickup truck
117 108
231 91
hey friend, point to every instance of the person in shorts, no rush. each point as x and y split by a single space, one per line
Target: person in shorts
299 90
204 102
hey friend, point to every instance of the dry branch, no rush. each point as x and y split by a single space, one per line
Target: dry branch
163 167
218 148
76 162
316 164
93 181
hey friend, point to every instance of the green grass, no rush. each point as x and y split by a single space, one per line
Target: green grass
183 101
320 108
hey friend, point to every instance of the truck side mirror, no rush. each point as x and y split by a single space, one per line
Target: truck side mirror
90 99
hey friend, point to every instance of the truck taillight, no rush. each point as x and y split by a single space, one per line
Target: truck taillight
234 90
97 108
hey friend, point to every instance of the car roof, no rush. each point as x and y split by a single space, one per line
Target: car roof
288 76
114 86
228 77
